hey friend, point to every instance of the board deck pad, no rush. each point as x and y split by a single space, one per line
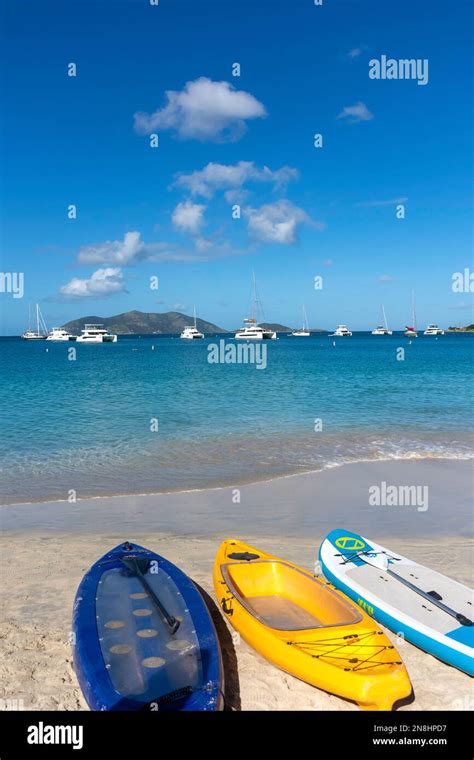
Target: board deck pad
400 596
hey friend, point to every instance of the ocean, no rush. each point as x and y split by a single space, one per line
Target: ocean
151 414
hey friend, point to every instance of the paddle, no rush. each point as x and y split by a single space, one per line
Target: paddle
380 561
132 563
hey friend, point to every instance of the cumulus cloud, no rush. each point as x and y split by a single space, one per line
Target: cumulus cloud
386 278
131 250
204 110
188 216
354 114
102 283
232 177
277 222
355 52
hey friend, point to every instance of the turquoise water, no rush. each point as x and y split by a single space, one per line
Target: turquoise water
86 424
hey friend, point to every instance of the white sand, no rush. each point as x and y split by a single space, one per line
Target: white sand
47 549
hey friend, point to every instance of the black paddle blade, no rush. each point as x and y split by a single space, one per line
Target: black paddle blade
435 595
132 563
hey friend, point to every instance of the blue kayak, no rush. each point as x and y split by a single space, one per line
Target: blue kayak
143 636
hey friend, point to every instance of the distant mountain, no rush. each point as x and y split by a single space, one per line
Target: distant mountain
283 329
275 327
468 328
142 323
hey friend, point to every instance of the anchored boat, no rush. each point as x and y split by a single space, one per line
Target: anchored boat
251 329
341 331
191 332
304 332
41 331
96 334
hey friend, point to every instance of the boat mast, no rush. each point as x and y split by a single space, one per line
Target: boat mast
384 318
413 309
195 318
305 320
254 299
37 320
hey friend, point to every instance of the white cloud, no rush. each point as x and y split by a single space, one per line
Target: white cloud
204 244
386 278
178 306
131 250
355 52
356 113
188 216
236 196
102 283
204 110
213 177
277 222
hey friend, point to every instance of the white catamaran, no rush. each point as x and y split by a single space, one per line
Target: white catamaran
96 334
304 332
433 330
60 334
251 329
41 331
341 331
191 332
383 328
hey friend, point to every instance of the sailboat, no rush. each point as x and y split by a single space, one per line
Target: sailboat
304 332
41 331
251 329
411 331
382 329
191 332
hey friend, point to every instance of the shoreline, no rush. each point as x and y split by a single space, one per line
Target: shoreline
317 501
245 482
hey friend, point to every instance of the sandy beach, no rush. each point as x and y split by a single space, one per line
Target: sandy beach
46 549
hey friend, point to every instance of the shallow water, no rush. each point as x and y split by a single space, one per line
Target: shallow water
89 424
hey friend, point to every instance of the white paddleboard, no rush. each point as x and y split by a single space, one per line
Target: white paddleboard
430 610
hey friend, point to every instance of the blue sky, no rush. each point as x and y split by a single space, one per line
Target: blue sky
305 212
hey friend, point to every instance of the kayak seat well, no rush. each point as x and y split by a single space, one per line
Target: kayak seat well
281 613
284 598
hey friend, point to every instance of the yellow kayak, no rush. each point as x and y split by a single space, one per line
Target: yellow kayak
307 628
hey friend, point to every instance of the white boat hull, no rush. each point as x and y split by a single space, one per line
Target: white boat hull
107 339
